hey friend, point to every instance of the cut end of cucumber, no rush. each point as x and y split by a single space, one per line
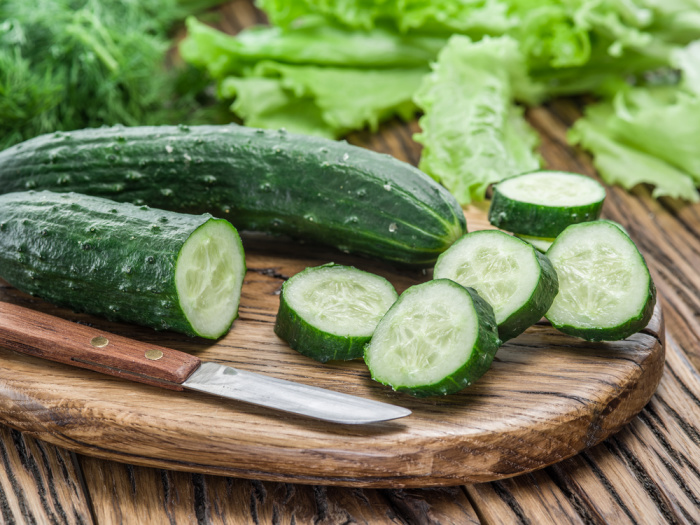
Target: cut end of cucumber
426 337
553 188
209 276
501 268
340 300
605 290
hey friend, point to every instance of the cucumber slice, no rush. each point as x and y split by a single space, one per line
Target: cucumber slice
541 244
515 279
208 277
330 312
544 203
438 338
605 290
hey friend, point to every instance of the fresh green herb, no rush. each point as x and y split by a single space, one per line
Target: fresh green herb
69 64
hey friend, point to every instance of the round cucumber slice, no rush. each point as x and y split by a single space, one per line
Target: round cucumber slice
330 312
605 290
544 203
208 277
438 338
515 279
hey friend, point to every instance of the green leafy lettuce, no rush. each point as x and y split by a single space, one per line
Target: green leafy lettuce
649 134
472 132
317 79
326 67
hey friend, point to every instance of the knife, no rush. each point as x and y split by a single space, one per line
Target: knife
43 335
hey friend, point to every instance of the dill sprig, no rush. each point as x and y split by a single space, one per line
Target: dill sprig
70 64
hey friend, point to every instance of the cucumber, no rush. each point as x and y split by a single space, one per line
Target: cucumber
544 203
438 338
330 312
517 281
127 263
541 244
605 290
306 187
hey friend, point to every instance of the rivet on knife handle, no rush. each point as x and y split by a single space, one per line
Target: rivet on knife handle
41 335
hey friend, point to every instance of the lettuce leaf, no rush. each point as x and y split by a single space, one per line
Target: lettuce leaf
625 165
312 43
472 17
322 101
649 134
472 132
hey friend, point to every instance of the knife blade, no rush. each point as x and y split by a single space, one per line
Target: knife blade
49 337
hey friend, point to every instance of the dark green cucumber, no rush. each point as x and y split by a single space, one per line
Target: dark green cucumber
517 281
310 188
136 264
605 290
437 339
543 203
330 312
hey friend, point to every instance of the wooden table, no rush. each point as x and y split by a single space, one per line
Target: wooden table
647 473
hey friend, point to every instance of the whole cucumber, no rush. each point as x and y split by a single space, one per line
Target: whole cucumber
136 264
306 187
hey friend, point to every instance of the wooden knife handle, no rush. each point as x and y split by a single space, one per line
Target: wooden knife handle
42 335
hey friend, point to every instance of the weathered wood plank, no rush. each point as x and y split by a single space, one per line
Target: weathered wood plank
39 483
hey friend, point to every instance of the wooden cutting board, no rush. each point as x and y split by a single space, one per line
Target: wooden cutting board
546 397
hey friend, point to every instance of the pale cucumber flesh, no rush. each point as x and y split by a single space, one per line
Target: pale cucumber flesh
209 276
603 280
553 188
340 300
501 268
425 337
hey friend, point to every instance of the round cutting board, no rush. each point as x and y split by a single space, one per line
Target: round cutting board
546 397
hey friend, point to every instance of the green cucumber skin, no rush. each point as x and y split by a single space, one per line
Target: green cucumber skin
310 188
97 256
485 347
537 220
311 342
538 304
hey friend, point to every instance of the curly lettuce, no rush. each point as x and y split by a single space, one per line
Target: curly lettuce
473 134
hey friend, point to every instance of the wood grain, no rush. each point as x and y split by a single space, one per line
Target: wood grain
546 397
602 485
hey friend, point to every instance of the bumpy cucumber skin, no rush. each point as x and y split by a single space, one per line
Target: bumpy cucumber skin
537 305
309 340
310 188
621 331
96 256
537 220
485 347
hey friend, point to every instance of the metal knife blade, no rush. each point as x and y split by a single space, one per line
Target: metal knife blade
42 335
288 396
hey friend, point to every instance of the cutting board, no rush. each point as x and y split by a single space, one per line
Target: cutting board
546 397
